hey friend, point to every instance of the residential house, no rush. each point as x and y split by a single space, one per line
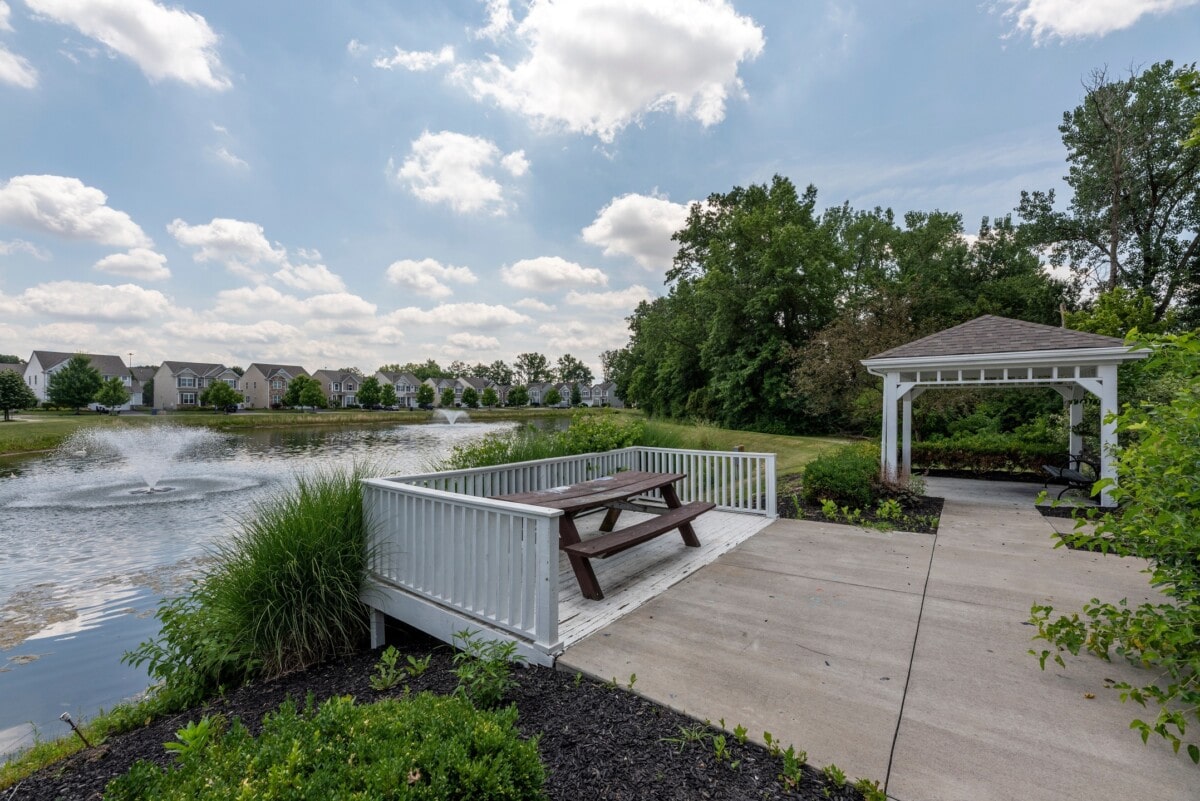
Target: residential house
474 382
501 392
405 384
180 384
45 363
340 387
440 385
538 391
264 385
564 395
143 375
605 394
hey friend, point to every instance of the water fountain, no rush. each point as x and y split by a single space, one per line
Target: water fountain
451 416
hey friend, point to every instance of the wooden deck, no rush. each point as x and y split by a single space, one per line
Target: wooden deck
633 577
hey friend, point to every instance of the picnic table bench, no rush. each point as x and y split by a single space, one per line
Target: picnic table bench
616 494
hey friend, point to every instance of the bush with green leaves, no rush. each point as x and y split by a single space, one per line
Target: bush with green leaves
283 594
1158 520
591 431
424 747
483 668
848 476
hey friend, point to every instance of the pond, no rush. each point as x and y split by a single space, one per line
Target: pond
86 552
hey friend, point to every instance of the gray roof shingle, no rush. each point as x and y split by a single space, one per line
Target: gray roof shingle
992 334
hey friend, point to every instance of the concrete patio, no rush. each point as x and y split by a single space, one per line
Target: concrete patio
903 657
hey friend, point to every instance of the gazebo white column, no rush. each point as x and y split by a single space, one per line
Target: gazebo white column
1074 418
891 385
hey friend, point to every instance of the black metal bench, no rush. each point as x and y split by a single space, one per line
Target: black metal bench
1071 476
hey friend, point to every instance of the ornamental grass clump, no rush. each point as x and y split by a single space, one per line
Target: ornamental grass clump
424 747
283 594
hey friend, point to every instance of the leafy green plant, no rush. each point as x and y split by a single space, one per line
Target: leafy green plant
687 735
773 747
421 747
793 767
889 509
1159 520
739 734
835 775
632 680
387 674
483 668
417 666
196 735
829 509
847 475
720 747
871 791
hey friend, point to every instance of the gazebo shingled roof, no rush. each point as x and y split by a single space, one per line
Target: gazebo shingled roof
992 334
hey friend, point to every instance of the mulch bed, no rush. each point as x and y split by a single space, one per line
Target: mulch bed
790 504
597 741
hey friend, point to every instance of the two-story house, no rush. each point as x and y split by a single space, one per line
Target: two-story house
538 391
45 363
405 385
340 387
264 385
180 384
605 394
440 385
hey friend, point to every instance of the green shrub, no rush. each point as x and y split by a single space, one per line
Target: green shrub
1159 521
283 594
985 452
591 431
419 747
482 668
848 475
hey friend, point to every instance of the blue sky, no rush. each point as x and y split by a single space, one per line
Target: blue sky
356 183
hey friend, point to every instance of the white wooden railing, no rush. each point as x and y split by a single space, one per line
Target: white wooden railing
444 556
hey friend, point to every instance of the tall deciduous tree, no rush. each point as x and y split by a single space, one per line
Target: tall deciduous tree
518 396
369 391
571 370
425 395
531 368
112 393
304 391
14 394
220 395
1135 212
387 394
75 385
489 398
470 398
447 397
553 398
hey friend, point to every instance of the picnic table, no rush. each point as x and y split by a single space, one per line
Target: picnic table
616 493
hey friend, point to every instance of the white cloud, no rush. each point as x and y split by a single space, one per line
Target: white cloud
21 246
355 47
426 277
5 13
621 299
448 167
16 70
1068 19
550 273
515 163
76 300
68 208
415 60
576 337
263 300
639 226
165 43
262 332
141 263
595 66
235 243
460 315
338 305
225 156
500 19
533 304
473 341
310 278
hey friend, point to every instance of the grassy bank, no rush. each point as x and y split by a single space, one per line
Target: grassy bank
792 453
45 430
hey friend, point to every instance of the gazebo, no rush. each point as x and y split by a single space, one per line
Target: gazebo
992 351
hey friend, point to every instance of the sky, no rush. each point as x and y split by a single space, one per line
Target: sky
369 182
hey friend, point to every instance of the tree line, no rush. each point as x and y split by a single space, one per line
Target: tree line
772 302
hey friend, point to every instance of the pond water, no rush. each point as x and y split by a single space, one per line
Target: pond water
86 553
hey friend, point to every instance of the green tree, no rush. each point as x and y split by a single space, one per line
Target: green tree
1189 84
447 397
148 392
470 398
498 372
532 368
552 397
1159 521
425 395
8 358
219 395
576 395
75 385
304 391
458 369
387 394
14 394
112 393
1135 208
490 398
518 396
571 369
369 392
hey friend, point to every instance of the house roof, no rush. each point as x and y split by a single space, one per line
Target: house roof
271 370
400 378
143 374
992 334
475 381
105 363
335 375
203 369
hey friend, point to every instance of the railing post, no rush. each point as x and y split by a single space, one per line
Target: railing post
546 591
771 510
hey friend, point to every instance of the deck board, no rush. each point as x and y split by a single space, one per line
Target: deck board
633 577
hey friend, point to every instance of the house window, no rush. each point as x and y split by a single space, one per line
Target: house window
232 382
187 398
275 384
186 381
337 386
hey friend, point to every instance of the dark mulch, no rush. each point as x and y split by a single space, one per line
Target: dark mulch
597 741
920 511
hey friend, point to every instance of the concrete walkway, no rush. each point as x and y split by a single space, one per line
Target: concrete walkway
903 657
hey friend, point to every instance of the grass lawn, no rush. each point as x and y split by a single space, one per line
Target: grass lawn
44 430
792 453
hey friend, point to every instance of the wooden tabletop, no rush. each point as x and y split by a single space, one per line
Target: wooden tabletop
595 493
